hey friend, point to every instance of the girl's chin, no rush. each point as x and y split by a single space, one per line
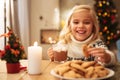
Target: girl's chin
80 39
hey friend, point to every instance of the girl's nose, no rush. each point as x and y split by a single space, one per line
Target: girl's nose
80 25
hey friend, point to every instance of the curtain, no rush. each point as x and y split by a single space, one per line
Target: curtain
17 17
23 14
12 16
2 23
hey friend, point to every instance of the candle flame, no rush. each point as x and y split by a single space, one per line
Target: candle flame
35 43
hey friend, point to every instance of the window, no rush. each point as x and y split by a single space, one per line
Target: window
2 23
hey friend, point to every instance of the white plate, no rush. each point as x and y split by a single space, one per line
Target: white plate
111 73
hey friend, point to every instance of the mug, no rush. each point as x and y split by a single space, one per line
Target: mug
60 52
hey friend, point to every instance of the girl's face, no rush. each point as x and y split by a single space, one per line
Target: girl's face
81 25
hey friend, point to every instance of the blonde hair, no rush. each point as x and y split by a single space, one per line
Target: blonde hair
66 32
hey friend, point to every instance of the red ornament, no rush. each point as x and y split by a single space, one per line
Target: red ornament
104 21
112 17
2 53
16 45
7 47
115 36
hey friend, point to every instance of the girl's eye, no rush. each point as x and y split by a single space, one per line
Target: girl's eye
87 22
75 22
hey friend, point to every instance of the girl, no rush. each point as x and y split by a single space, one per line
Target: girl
81 32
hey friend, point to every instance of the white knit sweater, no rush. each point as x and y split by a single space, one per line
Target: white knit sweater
75 49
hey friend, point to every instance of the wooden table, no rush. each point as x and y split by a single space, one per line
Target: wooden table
47 66
45 75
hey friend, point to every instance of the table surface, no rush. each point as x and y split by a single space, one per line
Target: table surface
47 66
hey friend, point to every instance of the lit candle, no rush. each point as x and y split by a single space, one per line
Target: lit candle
34 59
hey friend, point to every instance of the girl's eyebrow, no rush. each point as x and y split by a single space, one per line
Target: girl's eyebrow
87 19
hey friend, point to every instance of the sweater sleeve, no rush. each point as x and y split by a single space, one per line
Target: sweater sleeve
112 61
100 44
113 58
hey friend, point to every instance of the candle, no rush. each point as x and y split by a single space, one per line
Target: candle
34 59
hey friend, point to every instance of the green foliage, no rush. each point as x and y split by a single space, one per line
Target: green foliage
14 50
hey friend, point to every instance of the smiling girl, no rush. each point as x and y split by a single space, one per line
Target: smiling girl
82 29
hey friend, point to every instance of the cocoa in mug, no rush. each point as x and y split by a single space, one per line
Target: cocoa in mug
60 56
60 53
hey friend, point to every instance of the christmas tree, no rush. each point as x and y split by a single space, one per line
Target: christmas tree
107 17
14 50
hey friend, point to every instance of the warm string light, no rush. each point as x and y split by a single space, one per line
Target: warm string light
107 15
51 40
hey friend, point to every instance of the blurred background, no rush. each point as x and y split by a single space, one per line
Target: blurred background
42 20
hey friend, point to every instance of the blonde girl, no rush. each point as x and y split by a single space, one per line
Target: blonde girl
81 32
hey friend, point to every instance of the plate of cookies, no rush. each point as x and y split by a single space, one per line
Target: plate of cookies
81 70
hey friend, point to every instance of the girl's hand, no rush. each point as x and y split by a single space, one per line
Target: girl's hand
100 54
50 53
